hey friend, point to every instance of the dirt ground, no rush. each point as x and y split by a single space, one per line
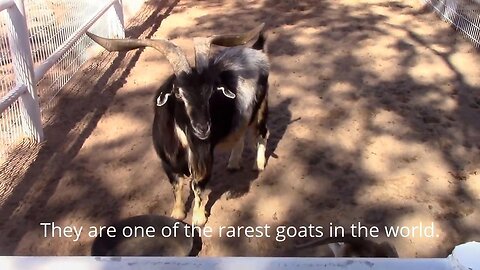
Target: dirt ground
374 119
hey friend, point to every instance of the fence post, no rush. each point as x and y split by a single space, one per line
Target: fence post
23 68
116 20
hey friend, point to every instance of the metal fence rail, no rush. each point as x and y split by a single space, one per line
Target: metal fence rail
463 257
464 15
42 45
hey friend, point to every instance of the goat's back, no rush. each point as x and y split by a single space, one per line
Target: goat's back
245 61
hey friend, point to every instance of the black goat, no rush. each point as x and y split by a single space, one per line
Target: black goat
199 108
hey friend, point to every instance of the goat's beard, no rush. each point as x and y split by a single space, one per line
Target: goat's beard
200 159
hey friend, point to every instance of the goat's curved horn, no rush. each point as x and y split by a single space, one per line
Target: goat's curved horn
202 44
173 53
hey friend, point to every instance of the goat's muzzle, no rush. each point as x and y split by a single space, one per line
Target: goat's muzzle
201 131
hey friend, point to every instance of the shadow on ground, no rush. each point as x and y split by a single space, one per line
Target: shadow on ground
371 104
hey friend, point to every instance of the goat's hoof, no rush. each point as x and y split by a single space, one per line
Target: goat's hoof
199 219
178 214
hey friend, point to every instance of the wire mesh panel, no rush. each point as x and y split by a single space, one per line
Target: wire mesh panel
51 24
11 128
462 14
11 125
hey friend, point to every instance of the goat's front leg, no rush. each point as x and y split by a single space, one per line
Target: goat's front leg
177 182
199 217
201 165
179 206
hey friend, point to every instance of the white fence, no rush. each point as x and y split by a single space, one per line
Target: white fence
42 44
463 257
464 15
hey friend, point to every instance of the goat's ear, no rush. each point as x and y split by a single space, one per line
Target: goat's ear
226 92
163 98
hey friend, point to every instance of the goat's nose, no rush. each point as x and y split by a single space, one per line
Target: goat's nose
203 129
